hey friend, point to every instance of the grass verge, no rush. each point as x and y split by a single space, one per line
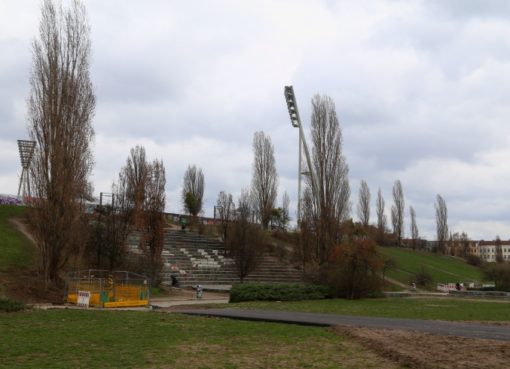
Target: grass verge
413 308
113 339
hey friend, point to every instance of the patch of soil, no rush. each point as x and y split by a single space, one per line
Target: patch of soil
25 285
427 351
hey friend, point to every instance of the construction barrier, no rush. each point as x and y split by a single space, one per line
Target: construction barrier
102 288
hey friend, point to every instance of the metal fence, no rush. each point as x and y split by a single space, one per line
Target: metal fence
109 288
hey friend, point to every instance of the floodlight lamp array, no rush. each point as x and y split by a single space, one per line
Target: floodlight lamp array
26 151
291 105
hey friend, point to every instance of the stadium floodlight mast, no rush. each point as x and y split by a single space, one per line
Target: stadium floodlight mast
26 152
290 98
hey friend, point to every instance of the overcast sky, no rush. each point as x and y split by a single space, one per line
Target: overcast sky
422 91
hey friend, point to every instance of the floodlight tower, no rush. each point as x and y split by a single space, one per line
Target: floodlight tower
26 151
296 123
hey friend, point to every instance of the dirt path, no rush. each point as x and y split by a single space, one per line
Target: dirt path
23 228
403 285
427 351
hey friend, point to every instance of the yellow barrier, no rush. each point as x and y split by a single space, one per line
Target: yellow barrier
127 303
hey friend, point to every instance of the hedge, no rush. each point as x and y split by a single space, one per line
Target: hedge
10 306
277 292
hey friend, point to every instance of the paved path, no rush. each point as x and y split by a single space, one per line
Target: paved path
161 304
472 330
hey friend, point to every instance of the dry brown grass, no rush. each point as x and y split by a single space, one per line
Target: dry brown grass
310 354
427 351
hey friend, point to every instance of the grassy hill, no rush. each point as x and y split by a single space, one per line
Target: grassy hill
443 269
15 249
17 257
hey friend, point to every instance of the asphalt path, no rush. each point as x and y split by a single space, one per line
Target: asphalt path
471 330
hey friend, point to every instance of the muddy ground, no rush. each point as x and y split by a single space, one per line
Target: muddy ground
427 351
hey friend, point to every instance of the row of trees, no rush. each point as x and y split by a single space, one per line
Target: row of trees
60 109
263 191
397 215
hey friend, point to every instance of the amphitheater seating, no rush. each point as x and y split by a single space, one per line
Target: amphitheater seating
196 259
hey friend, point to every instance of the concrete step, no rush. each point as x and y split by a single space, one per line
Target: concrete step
205 260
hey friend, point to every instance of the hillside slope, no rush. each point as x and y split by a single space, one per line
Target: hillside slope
17 255
16 250
443 269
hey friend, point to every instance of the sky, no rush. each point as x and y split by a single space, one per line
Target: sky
421 88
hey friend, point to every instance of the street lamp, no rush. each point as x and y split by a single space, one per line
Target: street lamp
290 98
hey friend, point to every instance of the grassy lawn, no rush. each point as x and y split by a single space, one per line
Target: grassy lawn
15 249
443 269
128 339
415 308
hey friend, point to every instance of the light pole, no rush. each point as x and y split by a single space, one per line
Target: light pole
26 152
290 98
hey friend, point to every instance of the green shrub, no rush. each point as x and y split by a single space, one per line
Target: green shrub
277 292
10 306
500 274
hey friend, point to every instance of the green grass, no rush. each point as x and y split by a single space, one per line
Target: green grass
15 249
443 269
129 339
399 307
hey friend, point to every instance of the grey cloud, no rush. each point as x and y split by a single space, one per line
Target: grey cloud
472 8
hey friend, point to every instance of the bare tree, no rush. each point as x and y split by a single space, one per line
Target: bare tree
381 217
60 110
414 227
265 179
441 223
394 220
285 217
138 203
464 239
459 244
328 186
136 174
193 190
499 250
307 245
154 221
127 211
364 203
226 211
397 211
245 239
117 221
280 215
